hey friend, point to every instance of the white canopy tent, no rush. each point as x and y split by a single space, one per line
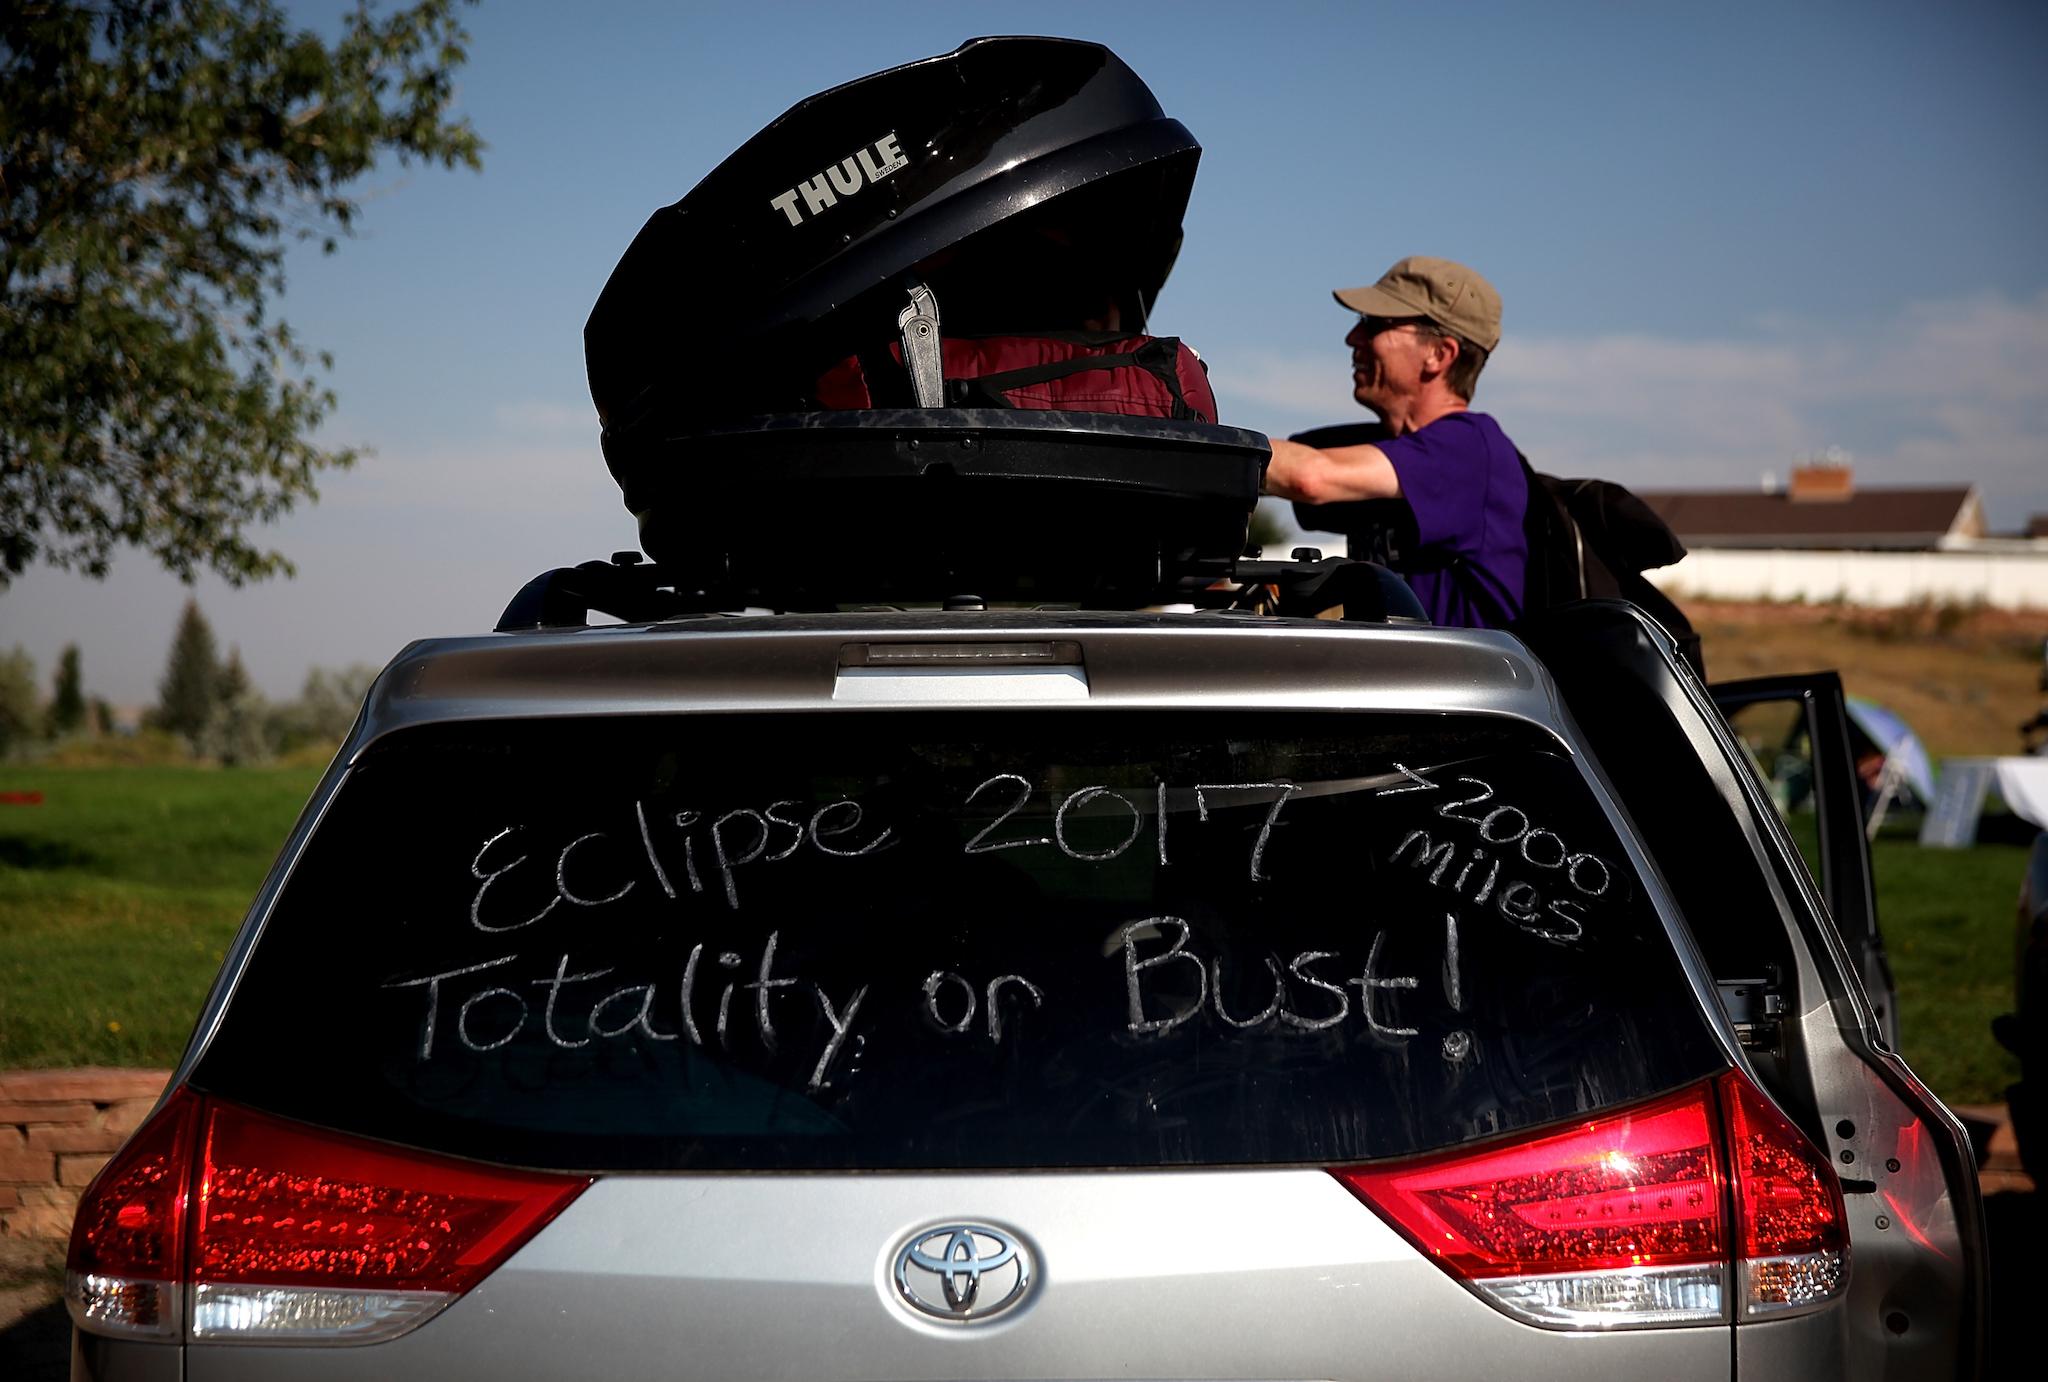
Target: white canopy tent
2022 783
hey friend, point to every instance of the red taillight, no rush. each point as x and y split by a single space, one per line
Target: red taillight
284 1232
127 1242
1634 1217
1788 1206
283 1204
1639 1189
1790 1201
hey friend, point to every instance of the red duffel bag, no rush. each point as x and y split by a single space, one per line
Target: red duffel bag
1081 371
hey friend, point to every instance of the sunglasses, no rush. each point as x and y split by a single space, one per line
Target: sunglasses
1373 326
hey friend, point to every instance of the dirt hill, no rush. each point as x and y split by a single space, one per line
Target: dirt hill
1963 678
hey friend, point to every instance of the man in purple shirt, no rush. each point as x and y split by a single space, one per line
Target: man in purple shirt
1424 333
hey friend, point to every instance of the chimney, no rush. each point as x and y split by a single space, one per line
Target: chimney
1823 479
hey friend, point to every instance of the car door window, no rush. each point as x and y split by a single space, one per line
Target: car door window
1780 743
1797 732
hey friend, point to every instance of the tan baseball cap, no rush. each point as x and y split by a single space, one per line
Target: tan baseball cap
1451 295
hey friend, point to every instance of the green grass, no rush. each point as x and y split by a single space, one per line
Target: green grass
1948 919
118 897
120 893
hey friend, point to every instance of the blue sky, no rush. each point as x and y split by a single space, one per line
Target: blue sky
1726 236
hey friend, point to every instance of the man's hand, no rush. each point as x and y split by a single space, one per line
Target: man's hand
1335 476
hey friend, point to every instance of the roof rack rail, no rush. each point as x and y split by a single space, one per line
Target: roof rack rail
633 590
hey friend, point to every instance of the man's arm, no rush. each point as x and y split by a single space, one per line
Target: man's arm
1335 476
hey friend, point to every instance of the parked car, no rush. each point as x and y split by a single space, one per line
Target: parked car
1029 994
927 960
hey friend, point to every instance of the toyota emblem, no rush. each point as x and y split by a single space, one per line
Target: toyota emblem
962 1272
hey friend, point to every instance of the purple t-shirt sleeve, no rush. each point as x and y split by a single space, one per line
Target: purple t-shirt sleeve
1463 481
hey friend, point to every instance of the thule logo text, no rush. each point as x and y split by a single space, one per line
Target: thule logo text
844 178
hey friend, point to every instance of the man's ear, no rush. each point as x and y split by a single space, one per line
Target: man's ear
1442 353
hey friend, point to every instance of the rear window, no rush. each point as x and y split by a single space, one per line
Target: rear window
888 941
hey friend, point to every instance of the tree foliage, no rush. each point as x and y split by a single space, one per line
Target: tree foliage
67 701
157 157
324 711
191 685
235 730
1265 529
18 701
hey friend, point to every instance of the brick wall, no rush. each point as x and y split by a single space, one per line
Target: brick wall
57 1128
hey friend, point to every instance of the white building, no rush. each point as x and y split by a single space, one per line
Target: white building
1821 538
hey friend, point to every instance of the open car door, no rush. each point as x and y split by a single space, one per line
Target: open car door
1796 729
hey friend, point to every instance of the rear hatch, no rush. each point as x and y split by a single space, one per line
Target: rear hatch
953 1043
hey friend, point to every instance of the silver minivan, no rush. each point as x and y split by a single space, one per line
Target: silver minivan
1028 995
970 919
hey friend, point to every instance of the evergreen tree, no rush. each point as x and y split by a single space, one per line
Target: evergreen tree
234 680
18 717
190 688
234 732
102 717
67 706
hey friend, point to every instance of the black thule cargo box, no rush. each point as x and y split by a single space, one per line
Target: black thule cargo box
1015 185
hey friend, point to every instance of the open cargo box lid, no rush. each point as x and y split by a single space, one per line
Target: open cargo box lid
1017 178
733 300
